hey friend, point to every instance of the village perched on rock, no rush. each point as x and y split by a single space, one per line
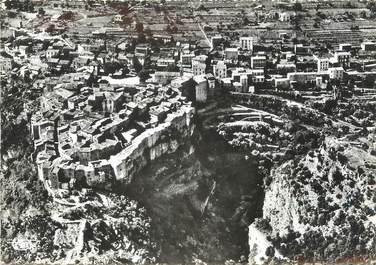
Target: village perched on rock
188 132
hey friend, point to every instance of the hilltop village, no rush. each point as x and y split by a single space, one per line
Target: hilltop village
124 105
76 146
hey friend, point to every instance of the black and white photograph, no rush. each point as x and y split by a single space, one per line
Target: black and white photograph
187 132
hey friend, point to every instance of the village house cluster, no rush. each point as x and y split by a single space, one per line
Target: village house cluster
251 66
93 129
83 137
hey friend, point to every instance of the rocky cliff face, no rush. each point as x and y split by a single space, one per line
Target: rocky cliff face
201 199
152 144
319 207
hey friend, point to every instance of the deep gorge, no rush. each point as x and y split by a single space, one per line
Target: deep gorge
200 202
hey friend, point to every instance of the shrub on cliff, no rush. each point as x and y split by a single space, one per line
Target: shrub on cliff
342 158
270 251
263 225
337 176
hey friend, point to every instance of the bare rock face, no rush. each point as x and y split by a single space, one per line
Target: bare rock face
319 207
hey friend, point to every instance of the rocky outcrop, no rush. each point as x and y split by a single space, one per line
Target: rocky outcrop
152 144
320 207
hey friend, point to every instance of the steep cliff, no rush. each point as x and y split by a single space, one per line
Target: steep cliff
319 207
201 199
153 143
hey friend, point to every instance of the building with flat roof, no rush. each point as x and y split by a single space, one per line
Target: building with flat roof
231 54
246 43
199 65
322 63
345 47
220 70
336 72
215 41
368 46
341 58
258 61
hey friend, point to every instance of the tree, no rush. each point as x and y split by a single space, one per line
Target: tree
41 11
369 81
124 10
143 75
329 106
28 6
141 37
139 27
172 68
245 21
10 4
67 16
137 65
148 32
51 28
372 7
127 21
270 251
111 67
298 7
171 29
337 176
202 8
